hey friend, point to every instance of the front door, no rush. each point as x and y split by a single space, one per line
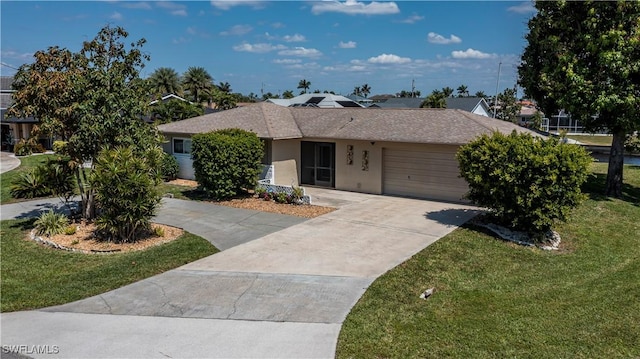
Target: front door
318 163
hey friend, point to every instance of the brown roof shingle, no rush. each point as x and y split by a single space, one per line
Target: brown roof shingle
421 125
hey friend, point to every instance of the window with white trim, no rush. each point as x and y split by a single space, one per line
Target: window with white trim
182 146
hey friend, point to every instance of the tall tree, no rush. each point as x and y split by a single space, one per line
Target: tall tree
480 94
583 57
356 91
288 94
436 99
165 80
447 91
304 85
508 108
365 90
463 91
197 82
94 98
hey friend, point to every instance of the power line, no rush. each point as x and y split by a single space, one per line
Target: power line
9 66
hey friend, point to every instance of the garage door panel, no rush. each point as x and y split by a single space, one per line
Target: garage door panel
428 173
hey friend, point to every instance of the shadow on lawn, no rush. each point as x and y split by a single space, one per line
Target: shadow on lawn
597 183
24 225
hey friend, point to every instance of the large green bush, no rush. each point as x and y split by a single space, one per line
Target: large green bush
226 162
126 191
526 182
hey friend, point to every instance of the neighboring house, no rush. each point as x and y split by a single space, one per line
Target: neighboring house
360 99
527 113
14 129
399 102
322 100
407 152
477 105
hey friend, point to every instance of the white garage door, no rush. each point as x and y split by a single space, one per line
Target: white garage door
429 173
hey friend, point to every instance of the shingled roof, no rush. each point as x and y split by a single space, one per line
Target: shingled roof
423 125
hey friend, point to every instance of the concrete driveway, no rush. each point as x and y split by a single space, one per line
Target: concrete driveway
283 295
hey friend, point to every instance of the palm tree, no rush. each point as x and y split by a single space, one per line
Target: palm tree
165 80
304 85
447 91
198 82
365 90
224 87
356 91
435 100
463 91
480 94
288 94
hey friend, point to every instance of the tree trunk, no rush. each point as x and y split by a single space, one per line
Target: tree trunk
616 165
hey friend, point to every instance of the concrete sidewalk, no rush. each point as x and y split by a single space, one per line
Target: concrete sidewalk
8 161
283 295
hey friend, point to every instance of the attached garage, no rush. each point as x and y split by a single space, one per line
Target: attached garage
430 172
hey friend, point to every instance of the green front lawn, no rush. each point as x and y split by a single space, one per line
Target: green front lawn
496 299
26 163
35 276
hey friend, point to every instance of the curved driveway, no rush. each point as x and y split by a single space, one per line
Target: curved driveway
282 295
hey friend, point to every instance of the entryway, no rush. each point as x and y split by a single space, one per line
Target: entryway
318 163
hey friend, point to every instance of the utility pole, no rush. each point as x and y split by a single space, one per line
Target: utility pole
495 102
413 88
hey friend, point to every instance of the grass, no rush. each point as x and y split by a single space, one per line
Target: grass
496 299
34 276
592 140
26 163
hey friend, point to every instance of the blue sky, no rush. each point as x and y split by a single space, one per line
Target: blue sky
271 45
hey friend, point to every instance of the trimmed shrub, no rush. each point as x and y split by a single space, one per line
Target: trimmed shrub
51 223
125 185
27 147
169 167
226 162
60 146
526 182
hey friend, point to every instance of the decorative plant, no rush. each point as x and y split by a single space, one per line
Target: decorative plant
51 223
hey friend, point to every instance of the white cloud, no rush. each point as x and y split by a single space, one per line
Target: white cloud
412 19
257 48
300 51
389 59
434 38
180 40
353 7
472 54
523 8
277 25
174 8
10 54
294 38
237 30
228 4
116 16
347 45
286 61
